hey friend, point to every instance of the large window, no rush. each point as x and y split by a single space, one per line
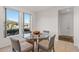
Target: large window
12 25
27 22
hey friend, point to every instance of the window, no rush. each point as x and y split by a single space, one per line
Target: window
11 20
27 23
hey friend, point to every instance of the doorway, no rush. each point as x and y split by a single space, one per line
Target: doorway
65 24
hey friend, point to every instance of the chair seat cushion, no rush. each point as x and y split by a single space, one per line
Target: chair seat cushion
25 47
44 44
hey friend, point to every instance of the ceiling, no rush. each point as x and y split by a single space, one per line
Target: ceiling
38 8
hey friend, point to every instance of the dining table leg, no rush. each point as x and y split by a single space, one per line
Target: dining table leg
37 44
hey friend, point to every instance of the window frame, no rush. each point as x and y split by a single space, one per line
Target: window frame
30 21
6 19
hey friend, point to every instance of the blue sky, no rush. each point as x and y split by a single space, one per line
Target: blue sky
26 18
13 15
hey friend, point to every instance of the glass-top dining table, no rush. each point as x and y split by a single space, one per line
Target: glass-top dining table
31 36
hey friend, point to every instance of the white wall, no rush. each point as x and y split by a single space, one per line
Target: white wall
5 41
48 20
34 21
76 26
65 22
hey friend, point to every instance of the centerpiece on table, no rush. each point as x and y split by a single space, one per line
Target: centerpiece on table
36 32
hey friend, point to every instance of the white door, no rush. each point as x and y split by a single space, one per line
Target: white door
66 27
